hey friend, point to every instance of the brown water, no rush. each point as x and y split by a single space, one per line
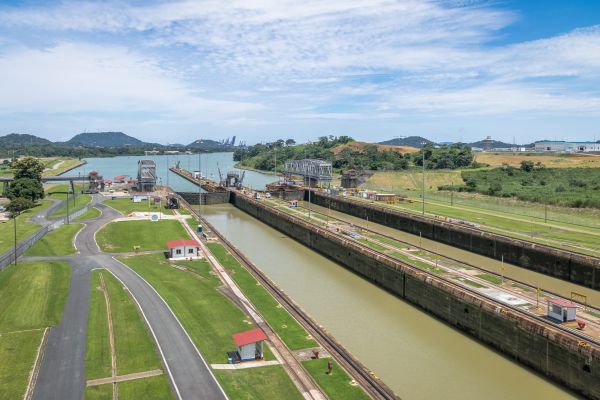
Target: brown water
418 356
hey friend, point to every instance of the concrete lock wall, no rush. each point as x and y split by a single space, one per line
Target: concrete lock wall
207 198
564 358
577 268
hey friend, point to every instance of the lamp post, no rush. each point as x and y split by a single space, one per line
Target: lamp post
423 183
15 215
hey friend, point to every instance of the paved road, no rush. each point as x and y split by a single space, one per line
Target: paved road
62 373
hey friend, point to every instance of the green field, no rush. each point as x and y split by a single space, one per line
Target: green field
25 228
337 384
91 213
33 294
32 297
258 383
568 187
58 242
211 318
127 206
81 201
134 349
288 329
119 237
17 355
97 356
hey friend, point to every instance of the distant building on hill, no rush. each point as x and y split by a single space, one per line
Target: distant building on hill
560 146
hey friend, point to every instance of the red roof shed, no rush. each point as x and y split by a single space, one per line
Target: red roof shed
182 242
248 337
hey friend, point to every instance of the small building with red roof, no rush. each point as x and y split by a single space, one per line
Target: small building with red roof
250 344
562 310
183 249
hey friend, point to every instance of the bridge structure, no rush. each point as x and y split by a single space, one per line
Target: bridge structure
95 180
314 172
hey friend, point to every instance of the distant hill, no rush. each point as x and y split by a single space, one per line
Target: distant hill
21 139
494 144
411 141
107 139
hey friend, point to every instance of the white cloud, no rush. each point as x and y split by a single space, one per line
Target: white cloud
78 77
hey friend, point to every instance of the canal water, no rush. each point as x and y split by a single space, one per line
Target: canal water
210 164
418 356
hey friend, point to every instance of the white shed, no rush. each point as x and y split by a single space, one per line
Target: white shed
250 344
562 310
183 249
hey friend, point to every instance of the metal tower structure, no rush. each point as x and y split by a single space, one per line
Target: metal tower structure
313 171
146 178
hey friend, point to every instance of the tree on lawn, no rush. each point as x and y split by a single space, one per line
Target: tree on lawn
28 179
18 205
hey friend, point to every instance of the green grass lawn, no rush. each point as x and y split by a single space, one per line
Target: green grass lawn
127 206
211 318
32 297
155 387
97 356
58 242
118 237
17 355
100 392
337 385
91 213
33 294
288 329
258 383
81 201
25 228
135 350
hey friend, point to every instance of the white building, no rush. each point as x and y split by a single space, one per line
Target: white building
183 249
250 344
559 146
562 310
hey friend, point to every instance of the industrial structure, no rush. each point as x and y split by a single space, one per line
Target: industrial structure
146 178
313 172
232 179
560 146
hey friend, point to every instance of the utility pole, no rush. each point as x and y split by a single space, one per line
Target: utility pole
67 206
199 181
423 183
15 215
167 170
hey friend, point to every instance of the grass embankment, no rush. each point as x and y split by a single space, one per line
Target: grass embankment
81 201
119 237
58 242
412 179
337 384
288 329
210 318
91 213
134 349
25 227
32 297
57 166
568 187
126 206
550 160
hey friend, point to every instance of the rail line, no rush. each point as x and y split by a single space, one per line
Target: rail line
374 387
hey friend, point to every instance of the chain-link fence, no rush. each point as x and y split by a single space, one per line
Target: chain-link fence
9 256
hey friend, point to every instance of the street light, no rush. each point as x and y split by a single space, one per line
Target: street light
423 184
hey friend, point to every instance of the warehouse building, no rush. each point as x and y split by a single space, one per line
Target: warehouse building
560 146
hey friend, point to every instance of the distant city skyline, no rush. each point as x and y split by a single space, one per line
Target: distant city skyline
456 70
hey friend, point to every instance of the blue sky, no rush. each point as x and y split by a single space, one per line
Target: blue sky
173 72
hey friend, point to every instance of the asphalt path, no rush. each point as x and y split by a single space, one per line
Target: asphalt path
62 371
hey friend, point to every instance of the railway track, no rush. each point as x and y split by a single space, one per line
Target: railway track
371 384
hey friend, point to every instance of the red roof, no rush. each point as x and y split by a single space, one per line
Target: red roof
563 303
182 242
247 337
120 177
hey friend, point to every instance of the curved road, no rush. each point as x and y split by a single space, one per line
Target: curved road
62 372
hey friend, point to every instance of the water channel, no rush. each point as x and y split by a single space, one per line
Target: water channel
418 356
